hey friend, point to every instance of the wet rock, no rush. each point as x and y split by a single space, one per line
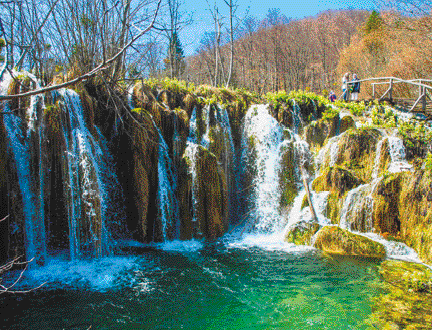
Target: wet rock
406 302
338 181
333 239
302 232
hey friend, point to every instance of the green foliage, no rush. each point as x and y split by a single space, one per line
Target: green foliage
330 113
383 117
175 63
374 22
2 43
428 163
414 133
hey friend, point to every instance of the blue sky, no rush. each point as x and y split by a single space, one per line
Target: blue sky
202 21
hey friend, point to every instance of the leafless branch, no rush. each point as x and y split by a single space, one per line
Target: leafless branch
8 266
4 220
102 66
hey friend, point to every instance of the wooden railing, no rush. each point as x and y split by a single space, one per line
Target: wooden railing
424 90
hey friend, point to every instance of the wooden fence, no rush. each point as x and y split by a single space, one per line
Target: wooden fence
422 102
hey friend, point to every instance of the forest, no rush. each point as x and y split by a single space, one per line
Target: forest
144 186
67 39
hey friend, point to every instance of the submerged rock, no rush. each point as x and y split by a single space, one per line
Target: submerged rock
336 240
302 232
407 302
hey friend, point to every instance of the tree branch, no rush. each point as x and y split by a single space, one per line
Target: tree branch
102 66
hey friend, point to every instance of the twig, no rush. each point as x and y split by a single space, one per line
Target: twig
102 66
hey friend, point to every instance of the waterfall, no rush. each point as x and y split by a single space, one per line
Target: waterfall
213 134
297 117
261 146
167 200
87 184
25 140
377 158
329 153
397 154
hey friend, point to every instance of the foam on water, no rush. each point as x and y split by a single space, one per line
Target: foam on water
266 242
394 250
100 274
181 246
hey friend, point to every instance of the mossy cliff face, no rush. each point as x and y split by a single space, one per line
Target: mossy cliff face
336 240
386 206
406 301
357 149
338 181
287 177
415 212
4 198
57 177
203 195
144 140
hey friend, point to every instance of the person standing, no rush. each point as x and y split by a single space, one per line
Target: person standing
332 96
345 80
355 88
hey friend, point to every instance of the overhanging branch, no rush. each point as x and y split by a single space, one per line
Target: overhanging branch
102 66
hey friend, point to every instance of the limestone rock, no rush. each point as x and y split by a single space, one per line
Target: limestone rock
333 239
301 233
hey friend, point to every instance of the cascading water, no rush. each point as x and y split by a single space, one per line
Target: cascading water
212 134
25 140
88 195
261 144
397 154
167 200
297 117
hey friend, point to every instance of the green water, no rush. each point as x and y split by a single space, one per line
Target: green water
220 285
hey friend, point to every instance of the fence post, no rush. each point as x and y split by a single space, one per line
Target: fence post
391 90
373 91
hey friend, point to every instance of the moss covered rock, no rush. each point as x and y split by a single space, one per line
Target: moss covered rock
357 149
407 299
386 206
338 181
144 139
203 195
333 239
346 123
287 176
301 233
415 212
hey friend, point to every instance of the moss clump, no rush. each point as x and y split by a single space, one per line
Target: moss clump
53 127
415 212
338 181
336 240
385 207
357 150
336 178
20 84
211 195
287 177
316 134
302 232
144 139
407 301
416 137
346 123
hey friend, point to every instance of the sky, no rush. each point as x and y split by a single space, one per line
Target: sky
202 21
